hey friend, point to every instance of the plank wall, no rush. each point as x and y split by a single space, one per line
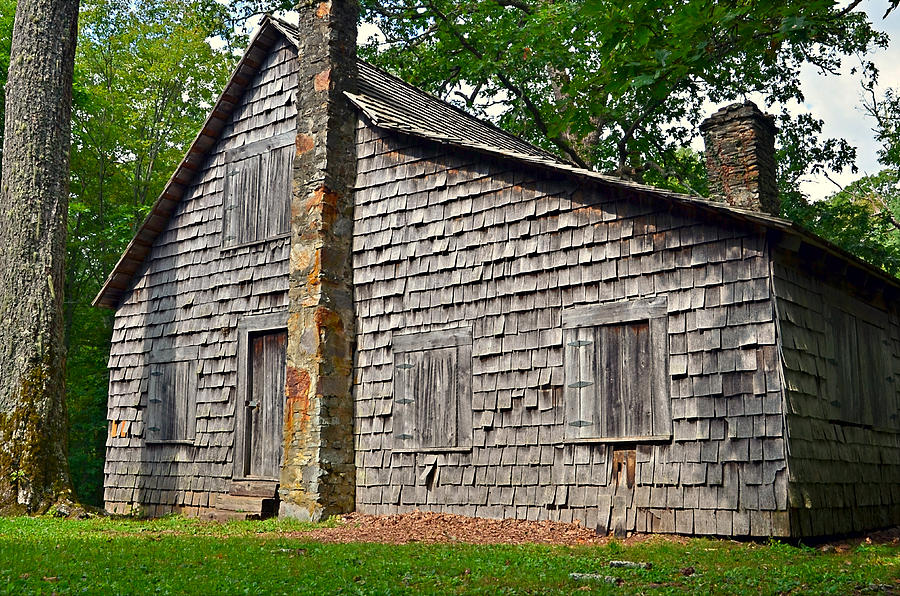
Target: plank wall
186 305
842 399
446 239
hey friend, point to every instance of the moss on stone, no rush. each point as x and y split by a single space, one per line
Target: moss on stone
30 465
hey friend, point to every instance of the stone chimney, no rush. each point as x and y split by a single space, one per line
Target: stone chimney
740 157
318 475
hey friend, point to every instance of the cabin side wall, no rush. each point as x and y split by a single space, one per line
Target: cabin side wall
841 350
187 304
449 240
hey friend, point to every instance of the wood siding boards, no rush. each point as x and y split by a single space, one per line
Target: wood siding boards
189 298
840 346
445 239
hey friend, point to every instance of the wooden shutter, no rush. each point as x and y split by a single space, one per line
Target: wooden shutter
616 371
432 404
403 410
275 193
583 412
184 400
160 398
172 401
625 379
659 381
257 192
861 384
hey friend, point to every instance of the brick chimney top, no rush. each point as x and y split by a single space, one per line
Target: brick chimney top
740 157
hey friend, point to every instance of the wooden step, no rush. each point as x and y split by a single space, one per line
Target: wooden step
222 516
233 506
253 488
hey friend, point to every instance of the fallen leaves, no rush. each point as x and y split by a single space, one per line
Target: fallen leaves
421 526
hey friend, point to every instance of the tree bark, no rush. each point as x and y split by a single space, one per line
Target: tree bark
34 472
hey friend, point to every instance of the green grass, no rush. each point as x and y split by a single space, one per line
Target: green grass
179 556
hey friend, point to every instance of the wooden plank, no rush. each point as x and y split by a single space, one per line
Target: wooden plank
610 402
264 146
253 488
433 339
616 440
252 505
636 380
248 195
661 411
464 395
615 312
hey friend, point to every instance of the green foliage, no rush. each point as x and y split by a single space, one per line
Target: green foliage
619 87
864 217
861 219
145 78
178 556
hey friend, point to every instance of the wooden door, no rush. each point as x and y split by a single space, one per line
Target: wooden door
264 406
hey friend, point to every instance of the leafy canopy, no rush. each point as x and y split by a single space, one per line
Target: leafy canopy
615 86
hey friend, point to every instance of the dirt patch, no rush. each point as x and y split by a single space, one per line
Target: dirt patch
889 536
427 527
422 526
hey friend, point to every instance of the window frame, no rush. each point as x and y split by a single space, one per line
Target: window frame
593 316
461 340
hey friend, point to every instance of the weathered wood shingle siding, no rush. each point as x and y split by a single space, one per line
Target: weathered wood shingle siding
843 443
446 239
186 304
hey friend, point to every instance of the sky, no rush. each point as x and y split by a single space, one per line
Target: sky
835 99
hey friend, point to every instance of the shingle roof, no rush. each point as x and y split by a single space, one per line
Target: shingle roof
395 105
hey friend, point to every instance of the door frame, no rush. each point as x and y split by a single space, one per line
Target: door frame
249 325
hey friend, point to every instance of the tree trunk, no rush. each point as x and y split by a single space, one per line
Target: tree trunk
34 472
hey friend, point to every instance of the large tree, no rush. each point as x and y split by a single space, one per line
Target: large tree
33 208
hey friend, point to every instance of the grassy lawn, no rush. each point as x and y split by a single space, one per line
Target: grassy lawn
179 556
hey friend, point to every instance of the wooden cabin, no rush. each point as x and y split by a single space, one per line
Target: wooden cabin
353 295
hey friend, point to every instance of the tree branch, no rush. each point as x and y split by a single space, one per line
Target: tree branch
515 90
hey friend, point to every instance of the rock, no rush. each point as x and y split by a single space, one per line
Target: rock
631 564
580 577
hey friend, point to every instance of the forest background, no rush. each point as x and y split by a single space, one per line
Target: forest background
617 87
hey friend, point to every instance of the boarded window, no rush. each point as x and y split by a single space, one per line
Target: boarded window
862 383
432 406
171 411
258 191
616 362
